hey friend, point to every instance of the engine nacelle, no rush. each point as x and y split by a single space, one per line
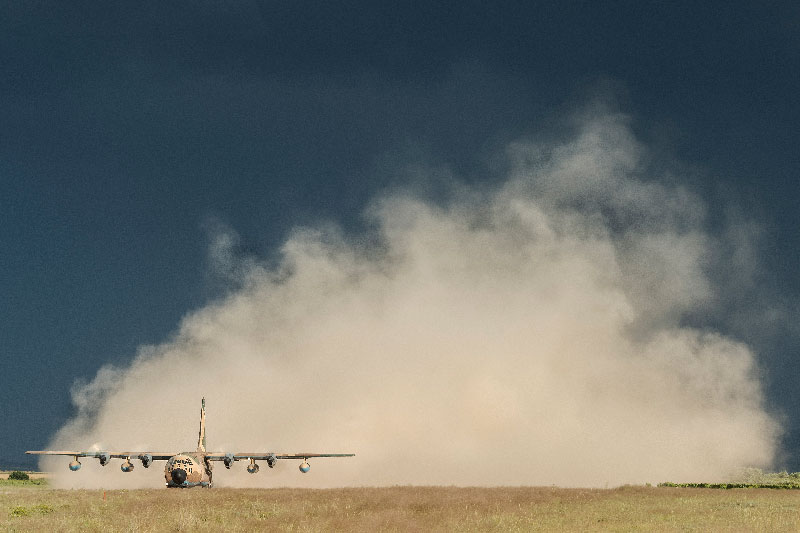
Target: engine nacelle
146 459
271 460
104 458
228 460
127 466
305 467
75 465
252 468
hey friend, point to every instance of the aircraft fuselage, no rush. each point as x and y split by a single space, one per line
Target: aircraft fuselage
188 469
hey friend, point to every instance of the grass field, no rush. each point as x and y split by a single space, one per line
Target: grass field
37 508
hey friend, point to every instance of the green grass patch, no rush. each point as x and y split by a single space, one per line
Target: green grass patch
749 478
21 510
40 482
790 486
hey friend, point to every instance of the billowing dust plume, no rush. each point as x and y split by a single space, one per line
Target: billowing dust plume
529 334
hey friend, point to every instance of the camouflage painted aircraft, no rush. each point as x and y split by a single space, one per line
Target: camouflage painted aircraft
191 469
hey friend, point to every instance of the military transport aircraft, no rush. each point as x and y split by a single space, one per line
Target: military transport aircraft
191 469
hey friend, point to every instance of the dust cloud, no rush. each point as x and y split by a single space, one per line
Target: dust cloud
529 334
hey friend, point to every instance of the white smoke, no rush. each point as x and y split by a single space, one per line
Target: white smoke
532 334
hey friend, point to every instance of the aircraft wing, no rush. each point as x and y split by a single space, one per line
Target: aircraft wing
154 456
269 456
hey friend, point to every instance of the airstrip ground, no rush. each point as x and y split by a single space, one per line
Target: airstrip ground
36 508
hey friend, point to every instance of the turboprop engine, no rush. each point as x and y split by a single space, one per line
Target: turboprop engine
271 460
146 459
228 460
127 466
104 458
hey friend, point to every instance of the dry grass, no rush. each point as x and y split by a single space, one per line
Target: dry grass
400 509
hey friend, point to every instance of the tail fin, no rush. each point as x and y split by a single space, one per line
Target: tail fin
201 439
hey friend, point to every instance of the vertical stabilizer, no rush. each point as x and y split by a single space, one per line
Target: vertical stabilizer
201 439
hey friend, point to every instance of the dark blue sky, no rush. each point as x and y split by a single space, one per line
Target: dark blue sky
127 128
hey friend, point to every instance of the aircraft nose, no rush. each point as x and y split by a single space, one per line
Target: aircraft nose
178 476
